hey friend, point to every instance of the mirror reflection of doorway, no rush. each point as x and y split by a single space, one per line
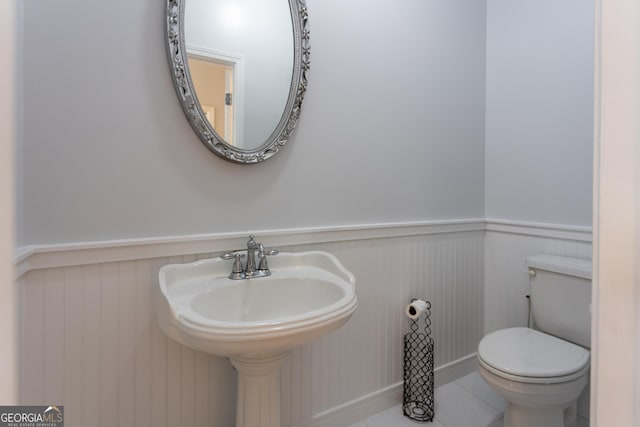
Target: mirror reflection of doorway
213 82
218 80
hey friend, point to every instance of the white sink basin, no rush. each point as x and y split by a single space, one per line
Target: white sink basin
255 322
308 294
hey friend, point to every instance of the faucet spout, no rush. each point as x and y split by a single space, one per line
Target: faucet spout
252 268
252 246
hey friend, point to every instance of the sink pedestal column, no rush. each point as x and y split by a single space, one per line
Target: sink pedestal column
258 389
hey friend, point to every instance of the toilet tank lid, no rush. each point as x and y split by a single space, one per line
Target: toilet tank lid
577 267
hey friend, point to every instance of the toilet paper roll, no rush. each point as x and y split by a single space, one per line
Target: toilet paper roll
415 309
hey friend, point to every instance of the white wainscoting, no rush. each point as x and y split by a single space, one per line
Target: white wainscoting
90 340
507 244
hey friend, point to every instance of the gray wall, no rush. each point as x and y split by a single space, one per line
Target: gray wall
539 113
392 127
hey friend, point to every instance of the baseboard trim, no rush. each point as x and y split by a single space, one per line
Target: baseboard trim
383 399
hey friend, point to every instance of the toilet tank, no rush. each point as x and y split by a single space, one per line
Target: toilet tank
561 297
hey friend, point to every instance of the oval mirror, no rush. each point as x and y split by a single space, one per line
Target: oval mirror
240 69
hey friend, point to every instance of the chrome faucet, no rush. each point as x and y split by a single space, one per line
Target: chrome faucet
252 246
250 270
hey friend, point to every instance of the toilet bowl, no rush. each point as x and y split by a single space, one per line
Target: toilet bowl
540 376
542 371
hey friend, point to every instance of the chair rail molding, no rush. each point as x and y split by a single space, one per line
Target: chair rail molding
36 257
554 231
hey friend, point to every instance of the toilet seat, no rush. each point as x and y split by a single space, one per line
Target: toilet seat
527 355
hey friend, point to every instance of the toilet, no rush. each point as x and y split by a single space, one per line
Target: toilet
541 371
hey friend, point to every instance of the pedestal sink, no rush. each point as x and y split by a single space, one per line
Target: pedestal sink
255 322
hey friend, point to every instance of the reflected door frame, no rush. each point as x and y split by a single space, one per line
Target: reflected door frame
234 82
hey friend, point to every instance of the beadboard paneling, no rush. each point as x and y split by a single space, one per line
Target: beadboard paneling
365 356
91 340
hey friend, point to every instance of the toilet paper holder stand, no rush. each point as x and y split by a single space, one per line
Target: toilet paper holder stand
418 389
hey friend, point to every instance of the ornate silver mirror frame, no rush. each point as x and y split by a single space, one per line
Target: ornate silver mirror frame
177 52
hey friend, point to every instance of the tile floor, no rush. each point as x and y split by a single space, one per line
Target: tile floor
466 402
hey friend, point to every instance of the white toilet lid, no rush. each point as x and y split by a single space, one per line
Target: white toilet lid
529 353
